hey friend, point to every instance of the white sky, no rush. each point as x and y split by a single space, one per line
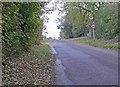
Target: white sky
51 26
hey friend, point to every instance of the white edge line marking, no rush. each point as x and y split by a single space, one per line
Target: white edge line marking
53 50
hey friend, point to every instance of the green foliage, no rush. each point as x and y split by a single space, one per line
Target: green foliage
81 15
78 17
106 19
21 26
67 30
43 50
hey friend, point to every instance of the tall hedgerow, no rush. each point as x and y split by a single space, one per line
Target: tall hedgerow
21 26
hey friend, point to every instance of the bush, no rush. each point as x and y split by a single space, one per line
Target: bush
21 27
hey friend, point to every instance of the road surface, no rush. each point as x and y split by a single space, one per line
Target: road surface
78 64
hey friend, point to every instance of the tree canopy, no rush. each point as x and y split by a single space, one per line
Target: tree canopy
80 16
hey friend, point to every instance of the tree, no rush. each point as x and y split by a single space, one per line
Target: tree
81 15
106 19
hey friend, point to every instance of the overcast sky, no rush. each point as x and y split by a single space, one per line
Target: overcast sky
51 25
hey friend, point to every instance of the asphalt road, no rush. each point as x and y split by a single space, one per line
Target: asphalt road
78 64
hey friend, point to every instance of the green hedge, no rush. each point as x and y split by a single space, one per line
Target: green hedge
21 26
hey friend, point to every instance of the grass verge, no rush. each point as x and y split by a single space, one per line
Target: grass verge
33 68
109 44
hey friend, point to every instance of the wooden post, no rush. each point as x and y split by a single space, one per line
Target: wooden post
93 33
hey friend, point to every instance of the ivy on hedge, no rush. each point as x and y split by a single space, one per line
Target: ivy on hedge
21 26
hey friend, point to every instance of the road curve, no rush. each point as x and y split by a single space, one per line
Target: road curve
79 64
